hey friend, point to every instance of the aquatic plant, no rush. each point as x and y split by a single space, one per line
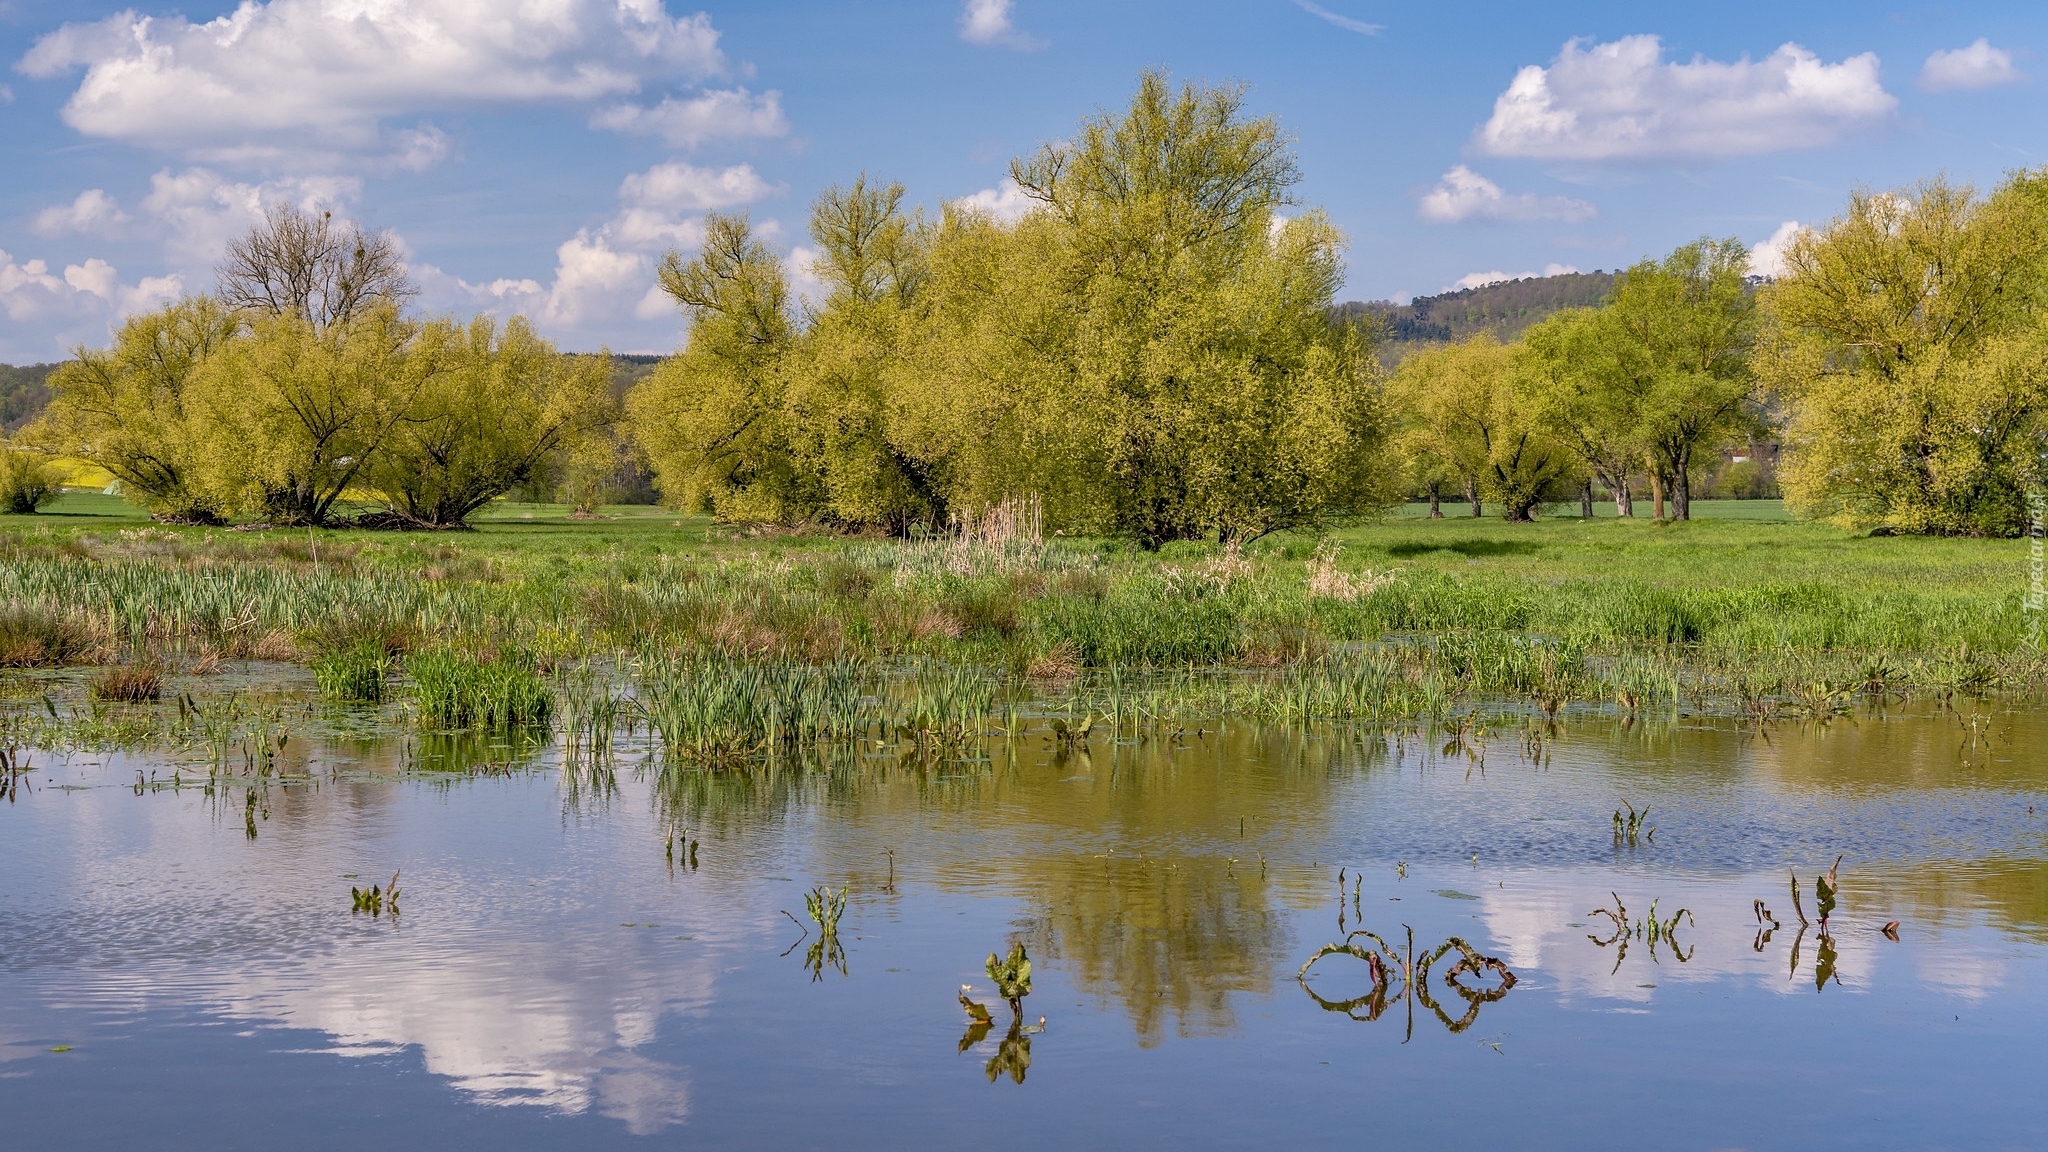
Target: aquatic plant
128 683
1385 964
374 900
354 673
1012 976
452 689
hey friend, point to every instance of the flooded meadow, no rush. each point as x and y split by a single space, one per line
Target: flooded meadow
1572 934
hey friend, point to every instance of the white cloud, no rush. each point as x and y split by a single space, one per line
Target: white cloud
1344 22
590 274
1463 194
1482 279
1623 101
92 212
292 75
1006 201
733 113
1767 257
202 210
804 282
988 22
77 305
679 186
1977 66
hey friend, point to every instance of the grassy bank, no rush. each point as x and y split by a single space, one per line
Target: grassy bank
1739 610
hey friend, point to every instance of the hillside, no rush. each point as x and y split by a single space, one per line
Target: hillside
1508 308
22 394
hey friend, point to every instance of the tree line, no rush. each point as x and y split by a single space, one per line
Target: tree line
1151 351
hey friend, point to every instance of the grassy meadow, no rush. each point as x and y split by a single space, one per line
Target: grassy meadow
727 644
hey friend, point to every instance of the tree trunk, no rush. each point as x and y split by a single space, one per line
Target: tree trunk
1472 497
1586 500
1518 512
1435 511
1681 486
1656 492
1624 500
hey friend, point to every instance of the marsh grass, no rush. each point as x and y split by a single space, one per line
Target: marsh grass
453 689
1407 619
128 683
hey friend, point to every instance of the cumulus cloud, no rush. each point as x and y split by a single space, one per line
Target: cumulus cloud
200 210
292 75
1463 194
733 113
1482 279
988 22
1977 66
92 212
1623 101
1767 257
1006 201
70 307
1344 22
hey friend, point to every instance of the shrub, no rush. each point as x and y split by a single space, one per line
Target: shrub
27 482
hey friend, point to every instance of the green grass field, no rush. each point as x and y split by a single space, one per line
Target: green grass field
1741 607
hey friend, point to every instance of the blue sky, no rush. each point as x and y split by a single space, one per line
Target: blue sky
539 155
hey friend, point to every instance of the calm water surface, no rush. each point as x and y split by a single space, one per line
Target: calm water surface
556 980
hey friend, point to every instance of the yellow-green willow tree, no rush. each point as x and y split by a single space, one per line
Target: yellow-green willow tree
498 410
1470 406
1909 350
127 407
1148 351
712 419
287 416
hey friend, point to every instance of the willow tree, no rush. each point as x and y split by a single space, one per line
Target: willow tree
500 409
1909 350
1196 372
846 392
1686 325
1575 366
288 416
713 418
128 407
1469 405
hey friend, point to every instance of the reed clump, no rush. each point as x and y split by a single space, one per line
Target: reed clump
128 683
453 689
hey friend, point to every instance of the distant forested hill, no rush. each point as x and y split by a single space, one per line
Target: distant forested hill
1507 308
22 394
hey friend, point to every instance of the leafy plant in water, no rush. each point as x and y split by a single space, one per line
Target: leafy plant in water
1651 930
375 900
1385 963
1012 976
1637 824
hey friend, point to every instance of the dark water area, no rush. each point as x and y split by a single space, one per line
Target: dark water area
561 977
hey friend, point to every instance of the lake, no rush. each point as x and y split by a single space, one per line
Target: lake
584 960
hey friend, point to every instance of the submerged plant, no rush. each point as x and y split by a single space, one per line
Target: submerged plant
1651 930
1637 824
375 900
1385 964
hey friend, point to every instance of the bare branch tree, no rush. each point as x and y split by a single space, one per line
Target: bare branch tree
323 270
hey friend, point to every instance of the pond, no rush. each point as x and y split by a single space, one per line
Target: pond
583 961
